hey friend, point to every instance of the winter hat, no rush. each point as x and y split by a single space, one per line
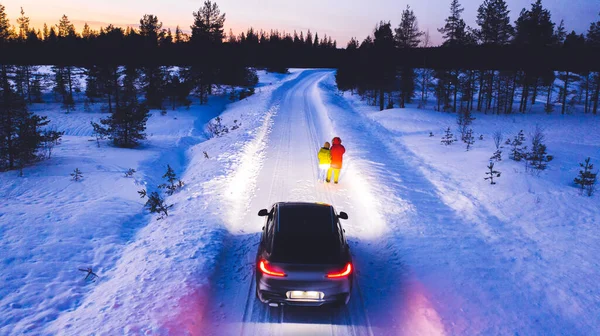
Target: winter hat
326 145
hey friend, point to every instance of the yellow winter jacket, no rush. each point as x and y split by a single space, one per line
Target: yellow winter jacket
324 156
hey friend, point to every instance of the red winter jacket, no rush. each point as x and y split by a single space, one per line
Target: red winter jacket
337 151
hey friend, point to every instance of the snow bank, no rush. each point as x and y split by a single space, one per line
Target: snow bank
519 256
151 273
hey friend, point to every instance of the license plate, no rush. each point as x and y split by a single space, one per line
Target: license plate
305 295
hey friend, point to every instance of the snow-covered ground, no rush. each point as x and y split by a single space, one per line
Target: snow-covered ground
437 250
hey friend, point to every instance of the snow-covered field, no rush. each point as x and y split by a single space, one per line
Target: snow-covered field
437 249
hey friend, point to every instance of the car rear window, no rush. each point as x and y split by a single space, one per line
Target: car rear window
306 235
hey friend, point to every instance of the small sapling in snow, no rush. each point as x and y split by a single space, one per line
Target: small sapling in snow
174 183
517 151
156 204
206 155
235 125
497 140
143 193
481 137
586 179
448 137
464 120
469 139
90 273
492 173
76 175
497 156
538 157
430 134
130 172
216 128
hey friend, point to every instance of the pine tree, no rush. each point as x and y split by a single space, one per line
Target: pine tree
156 204
130 172
464 119
469 139
518 151
5 27
36 88
497 156
150 29
309 39
494 23
586 179
455 31
179 36
20 131
448 137
66 28
593 40
76 175
538 157
153 83
87 33
65 83
208 25
178 91
492 173
174 183
45 33
383 71
126 126
494 30
534 27
560 34
93 87
23 23
407 35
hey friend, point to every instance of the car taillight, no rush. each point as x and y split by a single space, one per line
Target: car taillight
264 267
343 273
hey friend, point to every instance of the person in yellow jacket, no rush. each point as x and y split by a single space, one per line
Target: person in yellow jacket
324 160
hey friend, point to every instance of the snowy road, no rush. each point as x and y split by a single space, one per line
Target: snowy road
289 173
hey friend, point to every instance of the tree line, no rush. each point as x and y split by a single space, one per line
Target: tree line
152 44
486 68
127 91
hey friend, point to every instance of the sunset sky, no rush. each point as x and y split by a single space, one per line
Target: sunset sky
339 19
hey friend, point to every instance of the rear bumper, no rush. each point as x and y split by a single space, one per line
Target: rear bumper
270 290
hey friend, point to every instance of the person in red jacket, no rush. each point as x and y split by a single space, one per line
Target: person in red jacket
337 152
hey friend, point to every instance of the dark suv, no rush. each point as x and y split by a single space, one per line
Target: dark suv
303 257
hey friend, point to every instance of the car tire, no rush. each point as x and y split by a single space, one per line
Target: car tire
342 303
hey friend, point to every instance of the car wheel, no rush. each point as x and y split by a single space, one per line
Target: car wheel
341 303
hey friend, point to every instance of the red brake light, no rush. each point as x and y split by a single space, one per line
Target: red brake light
345 272
264 267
